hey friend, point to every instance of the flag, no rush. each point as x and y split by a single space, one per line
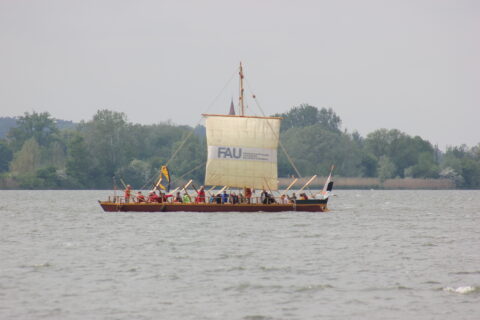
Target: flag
164 173
327 188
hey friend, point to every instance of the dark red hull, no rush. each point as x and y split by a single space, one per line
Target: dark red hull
211 207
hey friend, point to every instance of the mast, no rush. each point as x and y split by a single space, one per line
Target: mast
240 98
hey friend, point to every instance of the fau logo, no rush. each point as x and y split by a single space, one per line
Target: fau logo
225 152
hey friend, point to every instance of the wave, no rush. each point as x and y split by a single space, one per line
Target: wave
466 272
463 289
313 288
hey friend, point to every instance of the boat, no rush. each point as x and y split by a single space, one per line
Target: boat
242 156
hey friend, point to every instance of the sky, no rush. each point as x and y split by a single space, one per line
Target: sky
412 65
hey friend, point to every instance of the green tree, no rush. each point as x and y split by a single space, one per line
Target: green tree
424 168
314 149
49 179
39 126
471 173
368 165
402 150
463 164
107 141
6 155
386 168
28 159
190 159
306 115
55 154
138 173
79 164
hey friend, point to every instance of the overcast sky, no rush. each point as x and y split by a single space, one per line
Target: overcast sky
413 65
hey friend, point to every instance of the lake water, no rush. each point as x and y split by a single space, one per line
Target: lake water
375 255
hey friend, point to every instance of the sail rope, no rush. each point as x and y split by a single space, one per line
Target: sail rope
174 154
192 170
200 120
149 181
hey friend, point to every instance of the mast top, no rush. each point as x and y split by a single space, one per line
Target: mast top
240 98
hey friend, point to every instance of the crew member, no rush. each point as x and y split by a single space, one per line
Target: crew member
201 195
178 197
224 197
153 197
186 198
248 194
164 197
264 196
140 197
127 193
293 198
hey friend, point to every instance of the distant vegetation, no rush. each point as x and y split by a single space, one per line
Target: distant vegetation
39 152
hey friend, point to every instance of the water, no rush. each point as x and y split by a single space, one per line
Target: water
376 255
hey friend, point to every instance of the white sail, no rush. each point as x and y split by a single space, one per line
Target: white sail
242 151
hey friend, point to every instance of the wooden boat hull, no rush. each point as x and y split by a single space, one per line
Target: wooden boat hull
314 206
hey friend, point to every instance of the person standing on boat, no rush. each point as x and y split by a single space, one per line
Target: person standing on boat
128 190
224 197
241 198
293 198
201 195
233 198
248 194
264 196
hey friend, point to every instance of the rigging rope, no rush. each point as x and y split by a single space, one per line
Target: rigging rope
192 170
198 122
149 181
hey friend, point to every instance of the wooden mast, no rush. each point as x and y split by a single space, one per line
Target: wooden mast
240 98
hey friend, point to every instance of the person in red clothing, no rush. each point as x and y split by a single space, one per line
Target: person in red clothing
128 189
248 194
153 197
140 197
201 195
164 197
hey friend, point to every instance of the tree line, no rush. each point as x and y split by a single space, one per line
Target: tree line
108 149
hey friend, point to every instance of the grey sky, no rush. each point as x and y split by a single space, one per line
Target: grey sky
410 65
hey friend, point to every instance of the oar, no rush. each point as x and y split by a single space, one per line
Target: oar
114 188
175 190
308 182
193 186
123 182
291 185
209 190
186 186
